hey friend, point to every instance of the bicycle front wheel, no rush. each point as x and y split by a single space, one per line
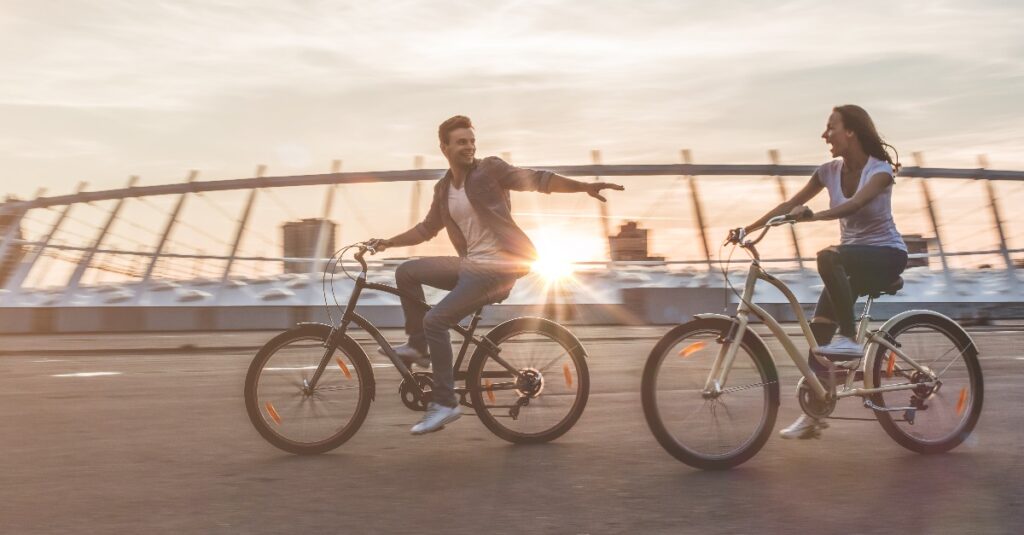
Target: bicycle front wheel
709 431
295 415
543 394
945 413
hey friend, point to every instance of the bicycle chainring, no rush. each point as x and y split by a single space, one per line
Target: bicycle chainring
811 405
412 399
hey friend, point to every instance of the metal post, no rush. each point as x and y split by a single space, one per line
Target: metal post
19 276
14 230
417 190
240 231
171 221
933 217
87 257
1003 249
773 154
697 210
320 251
595 157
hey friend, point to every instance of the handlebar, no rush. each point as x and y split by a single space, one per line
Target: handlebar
738 236
364 247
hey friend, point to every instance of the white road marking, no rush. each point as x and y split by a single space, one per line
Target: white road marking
48 360
86 374
287 368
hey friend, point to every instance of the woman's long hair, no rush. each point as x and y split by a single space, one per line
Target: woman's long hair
859 122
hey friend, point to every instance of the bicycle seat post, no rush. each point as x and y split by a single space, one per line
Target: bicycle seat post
865 319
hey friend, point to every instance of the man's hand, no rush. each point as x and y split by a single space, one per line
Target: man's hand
594 189
377 245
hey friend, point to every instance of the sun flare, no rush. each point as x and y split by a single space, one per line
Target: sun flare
559 251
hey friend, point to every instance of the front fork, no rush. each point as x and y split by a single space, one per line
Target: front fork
726 355
308 387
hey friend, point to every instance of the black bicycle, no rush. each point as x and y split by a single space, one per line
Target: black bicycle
308 390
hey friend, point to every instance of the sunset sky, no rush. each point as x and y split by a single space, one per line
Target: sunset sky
98 91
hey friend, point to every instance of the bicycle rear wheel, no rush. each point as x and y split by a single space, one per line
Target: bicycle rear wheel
291 415
546 396
946 414
704 431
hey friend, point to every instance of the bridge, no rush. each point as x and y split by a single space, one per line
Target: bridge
65 266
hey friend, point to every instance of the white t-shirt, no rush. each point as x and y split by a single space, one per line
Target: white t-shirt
873 223
481 243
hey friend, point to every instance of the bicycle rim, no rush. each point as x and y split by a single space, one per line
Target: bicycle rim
548 396
300 417
945 415
709 430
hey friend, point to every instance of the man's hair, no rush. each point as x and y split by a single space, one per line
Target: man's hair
454 123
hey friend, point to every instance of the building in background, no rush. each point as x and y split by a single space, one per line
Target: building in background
300 239
631 244
917 244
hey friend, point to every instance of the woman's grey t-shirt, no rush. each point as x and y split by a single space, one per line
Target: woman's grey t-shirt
873 223
481 243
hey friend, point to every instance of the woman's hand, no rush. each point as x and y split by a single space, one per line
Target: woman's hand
801 213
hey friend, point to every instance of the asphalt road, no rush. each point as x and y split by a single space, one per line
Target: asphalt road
155 439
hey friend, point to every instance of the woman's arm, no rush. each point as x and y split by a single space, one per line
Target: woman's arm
812 188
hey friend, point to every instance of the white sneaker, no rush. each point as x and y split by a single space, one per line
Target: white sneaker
409 355
437 416
842 348
804 427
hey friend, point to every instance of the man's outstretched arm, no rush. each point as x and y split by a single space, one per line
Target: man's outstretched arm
561 184
521 179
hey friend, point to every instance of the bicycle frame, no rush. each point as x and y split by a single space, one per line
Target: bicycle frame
349 316
727 352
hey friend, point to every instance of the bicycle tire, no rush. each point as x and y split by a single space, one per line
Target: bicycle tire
752 346
265 417
962 342
568 343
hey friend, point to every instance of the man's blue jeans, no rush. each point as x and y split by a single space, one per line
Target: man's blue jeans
471 285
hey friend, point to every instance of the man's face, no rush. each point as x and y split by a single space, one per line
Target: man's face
461 147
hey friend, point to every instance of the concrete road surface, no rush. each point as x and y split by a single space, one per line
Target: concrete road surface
148 434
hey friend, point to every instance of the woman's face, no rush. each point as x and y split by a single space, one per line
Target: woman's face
836 135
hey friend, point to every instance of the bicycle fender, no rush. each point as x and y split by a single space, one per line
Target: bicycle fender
730 319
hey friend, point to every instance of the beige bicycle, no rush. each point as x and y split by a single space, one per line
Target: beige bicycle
710 389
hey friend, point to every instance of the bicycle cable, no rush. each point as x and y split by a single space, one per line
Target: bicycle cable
323 280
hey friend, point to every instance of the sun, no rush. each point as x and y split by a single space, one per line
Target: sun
559 251
553 268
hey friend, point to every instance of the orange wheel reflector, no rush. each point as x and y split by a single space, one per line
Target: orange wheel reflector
490 393
962 402
344 368
692 348
273 413
891 367
568 374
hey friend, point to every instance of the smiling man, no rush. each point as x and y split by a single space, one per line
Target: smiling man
473 204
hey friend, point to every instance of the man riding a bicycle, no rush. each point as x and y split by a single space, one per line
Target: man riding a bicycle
472 202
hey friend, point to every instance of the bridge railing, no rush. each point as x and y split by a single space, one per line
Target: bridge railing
20 255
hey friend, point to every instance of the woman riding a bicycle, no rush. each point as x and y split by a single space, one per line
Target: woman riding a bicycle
871 253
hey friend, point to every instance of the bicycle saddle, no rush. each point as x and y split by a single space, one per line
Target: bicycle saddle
891 289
